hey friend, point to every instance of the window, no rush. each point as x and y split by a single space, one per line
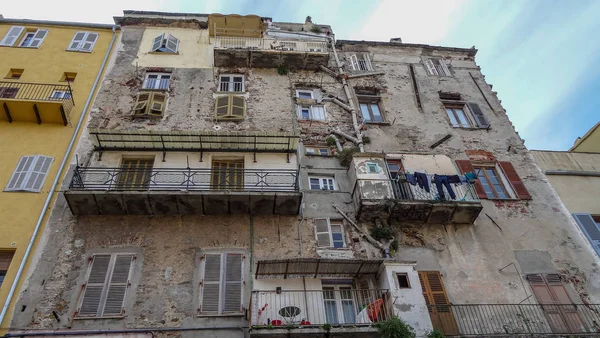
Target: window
320 151
107 282
286 45
403 281
330 233
360 63
157 81
491 182
312 113
30 173
590 225
33 39
8 92
321 183
222 283
68 77
230 107
5 259
396 169
315 46
150 104
463 115
83 42
437 67
165 43
339 304
135 173
12 36
15 74
372 168
60 94
304 94
231 83
227 174
369 109
457 116
495 180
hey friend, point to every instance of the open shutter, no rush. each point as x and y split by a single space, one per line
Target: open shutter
211 284
172 43
92 294
11 37
18 177
430 67
480 119
238 106
515 181
157 42
368 62
323 235
89 42
141 103
38 173
222 106
117 287
437 302
158 104
465 166
234 282
77 40
38 37
354 62
445 68
590 228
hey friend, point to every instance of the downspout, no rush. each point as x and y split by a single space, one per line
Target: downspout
119 331
350 97
56 180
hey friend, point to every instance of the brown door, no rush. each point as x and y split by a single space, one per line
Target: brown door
549 290
437 302
228 174
135 174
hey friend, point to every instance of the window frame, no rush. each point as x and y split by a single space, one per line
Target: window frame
433 70
312 94
311 115
82 42
369 165
231 83
322 186
164 40
317 151
230 116
10 254
222 284
362 64
337 222
158 80
15 73
403 274
482 167
33 38
369 101
148 104
466 114
68 77
61 97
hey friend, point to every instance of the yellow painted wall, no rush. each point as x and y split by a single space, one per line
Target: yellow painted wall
20 211
590 144
195 51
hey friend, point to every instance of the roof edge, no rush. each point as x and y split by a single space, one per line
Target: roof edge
579 140
470 51
59 23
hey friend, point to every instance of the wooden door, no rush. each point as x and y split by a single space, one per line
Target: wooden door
135 174
227 174
437 302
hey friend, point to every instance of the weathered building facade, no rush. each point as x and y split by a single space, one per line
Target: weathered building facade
241 177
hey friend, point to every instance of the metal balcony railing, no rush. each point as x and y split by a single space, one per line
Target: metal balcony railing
406 191
516 319
35 92
234 42
184 179
337 306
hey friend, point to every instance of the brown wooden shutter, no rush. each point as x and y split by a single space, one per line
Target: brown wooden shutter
234 277
211 284
117 287
465 166
437 302
92 294
480 119
515 180
5 259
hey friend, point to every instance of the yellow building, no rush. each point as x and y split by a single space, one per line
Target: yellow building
589 143
49 73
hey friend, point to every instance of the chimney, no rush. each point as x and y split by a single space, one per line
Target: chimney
396 40
308 20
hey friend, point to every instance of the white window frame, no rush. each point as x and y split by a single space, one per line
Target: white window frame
33 38
60 95
164 41
325 183
370 165
10 39
310 92
231 84
317 151
157 82
30 173
81 43
222 283
360 64
443 70
467 114
336 222
312 116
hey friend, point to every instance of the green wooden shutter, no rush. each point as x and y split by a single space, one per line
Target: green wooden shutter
590 228
211 284
234 277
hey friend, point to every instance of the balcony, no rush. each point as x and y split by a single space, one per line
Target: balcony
35 102
302 313
231 51
167 191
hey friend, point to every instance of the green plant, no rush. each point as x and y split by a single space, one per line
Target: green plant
380 233
316 30
345 156
330 141
366 139
326 327
270 327
283 69
394 328
394 245
435 334
291 327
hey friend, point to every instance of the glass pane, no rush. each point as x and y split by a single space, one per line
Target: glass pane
462 118
452 117
305 114
225 78
491 173
152 76
376 113
318 113
484 183
310 150
314 184
328 293
364 110
331 313
348 311
324 151
305 95
328 183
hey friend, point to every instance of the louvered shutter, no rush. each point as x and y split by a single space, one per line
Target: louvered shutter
437 302
233 283
17 180
515 180
5 259
354 62
465 166
368 62
323 235
92 294
11 37
158 104
590 228
38 173
117 287
172 43
222 106
238 106
444 68
38 37
211 284
430 67
77 40
157 42
141 103
480 119
89 42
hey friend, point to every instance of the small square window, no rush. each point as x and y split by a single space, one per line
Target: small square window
15 73
68 77
159 81
403 281
372 168
232 83
370 109
304 94
314 113
319 151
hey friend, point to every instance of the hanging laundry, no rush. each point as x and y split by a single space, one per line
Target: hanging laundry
422 181
454 179
442 181
410 178
471 176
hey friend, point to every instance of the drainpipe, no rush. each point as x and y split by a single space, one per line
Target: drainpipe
123 331
56 180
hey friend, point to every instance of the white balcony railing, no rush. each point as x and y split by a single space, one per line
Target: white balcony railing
234 42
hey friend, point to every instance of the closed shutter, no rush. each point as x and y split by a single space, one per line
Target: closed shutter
591 229
430 67
233 283
515 180
89 42
354 62
322 230
92 294
11 37
5 259
437 302
465 166
480 119
38 37
222 106
238 106
172 43
211 284
17 179
158 104
117 287
157 42
139 108
77 40
38 174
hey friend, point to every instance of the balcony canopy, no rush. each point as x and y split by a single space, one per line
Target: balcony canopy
317 267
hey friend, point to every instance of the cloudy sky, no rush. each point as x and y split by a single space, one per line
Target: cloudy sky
542 56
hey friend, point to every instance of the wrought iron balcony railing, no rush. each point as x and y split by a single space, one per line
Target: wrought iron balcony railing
37 93
184 179
403 190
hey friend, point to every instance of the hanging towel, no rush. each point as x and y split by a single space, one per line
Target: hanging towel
471 176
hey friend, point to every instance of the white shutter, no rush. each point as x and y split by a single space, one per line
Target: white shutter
368 62
38 37
234 277
117 287
211 284
18 178
77 39
157 42
323 234
37 174
445 68
92 294
354 62
11 37
430 67
591 229
89 42
172 43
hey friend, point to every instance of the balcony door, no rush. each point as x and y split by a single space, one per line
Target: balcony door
437 302
227 174
339 303
135 173
401 187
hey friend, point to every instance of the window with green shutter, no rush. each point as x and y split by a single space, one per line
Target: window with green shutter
230 107
222 283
